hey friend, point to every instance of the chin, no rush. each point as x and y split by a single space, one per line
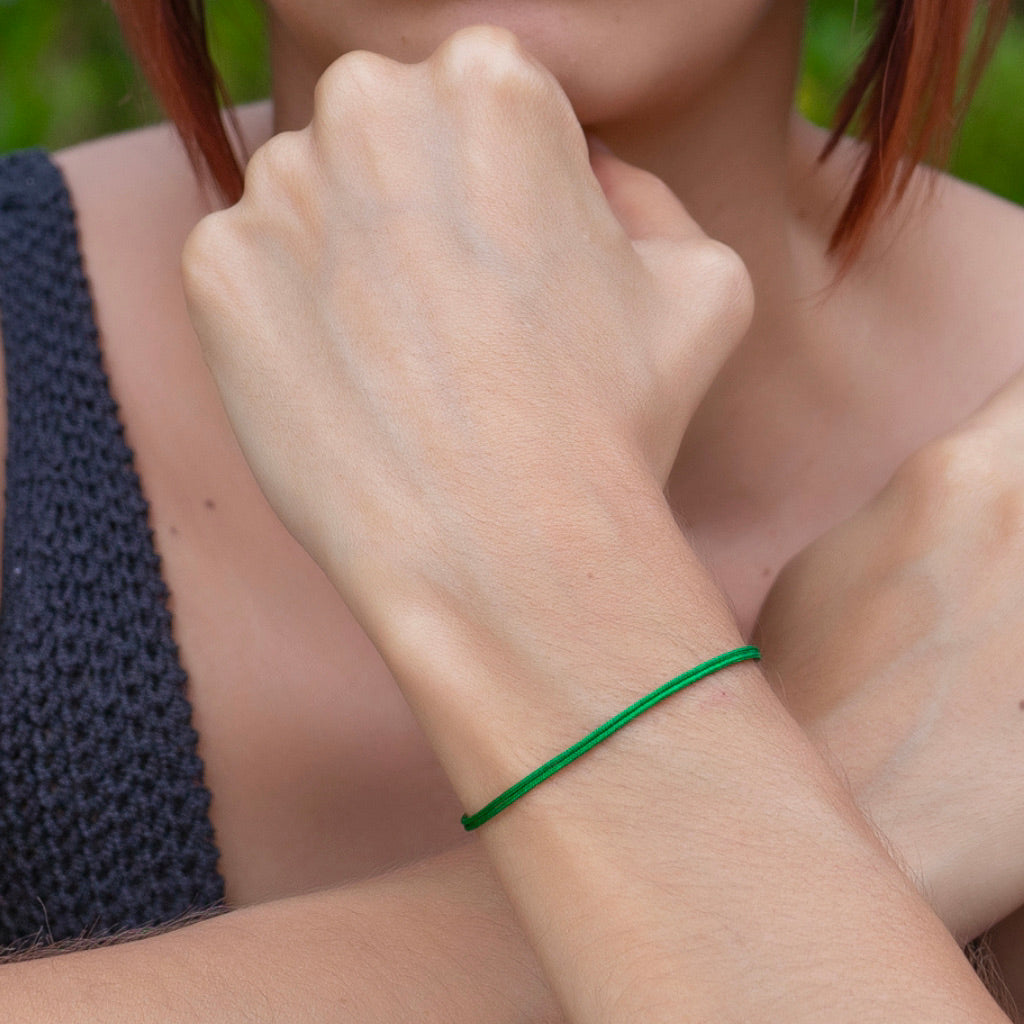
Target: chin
601 82
615 61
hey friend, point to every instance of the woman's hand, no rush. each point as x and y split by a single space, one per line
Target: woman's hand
438 243
897 640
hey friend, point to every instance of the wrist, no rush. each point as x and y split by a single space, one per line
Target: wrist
502 681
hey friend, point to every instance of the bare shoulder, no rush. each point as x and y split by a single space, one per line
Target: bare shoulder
138 160
151 156
945 275
137 198
136 193
945 261
968 250
955 273
931 311
950 276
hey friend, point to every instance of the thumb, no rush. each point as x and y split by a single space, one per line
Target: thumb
707 288
642 203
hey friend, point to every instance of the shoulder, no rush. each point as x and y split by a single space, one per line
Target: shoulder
136 198
963 249
930 315
114 177
946 281
951 267
152 155
139 186
941 276
947 246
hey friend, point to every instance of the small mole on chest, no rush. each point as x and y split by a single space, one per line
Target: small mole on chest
209 504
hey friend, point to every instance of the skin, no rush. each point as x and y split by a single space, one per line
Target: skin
482 477
353 956
345 782
943 607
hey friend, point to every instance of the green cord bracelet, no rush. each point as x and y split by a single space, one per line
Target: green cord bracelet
591 740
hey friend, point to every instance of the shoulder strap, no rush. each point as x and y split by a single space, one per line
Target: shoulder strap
103 815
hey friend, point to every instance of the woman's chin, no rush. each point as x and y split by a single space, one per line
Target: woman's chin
613 61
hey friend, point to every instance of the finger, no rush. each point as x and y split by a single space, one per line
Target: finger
642 203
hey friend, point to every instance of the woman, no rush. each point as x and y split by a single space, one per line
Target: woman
278 845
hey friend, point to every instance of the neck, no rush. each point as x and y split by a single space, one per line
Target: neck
747 170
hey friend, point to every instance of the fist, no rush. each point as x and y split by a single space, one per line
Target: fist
897 640
437 320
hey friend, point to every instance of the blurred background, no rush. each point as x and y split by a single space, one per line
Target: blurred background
64 77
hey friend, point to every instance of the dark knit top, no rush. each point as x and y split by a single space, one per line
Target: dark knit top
103 811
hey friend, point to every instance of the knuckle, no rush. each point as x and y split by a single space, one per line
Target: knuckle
963 463
359 70
487 56
730 275
963 474
722 284
202 254
352 84
966 479
479 43
212 277
279 162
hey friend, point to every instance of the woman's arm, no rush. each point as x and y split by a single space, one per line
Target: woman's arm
704 863
461 383
896 640
434 942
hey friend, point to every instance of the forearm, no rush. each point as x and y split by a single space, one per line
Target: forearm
702 864
433 942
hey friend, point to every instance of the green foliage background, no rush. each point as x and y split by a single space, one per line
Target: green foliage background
64 77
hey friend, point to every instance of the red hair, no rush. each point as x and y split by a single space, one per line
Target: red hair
906 98
169 40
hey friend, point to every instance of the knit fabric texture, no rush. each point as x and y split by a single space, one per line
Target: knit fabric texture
104 819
